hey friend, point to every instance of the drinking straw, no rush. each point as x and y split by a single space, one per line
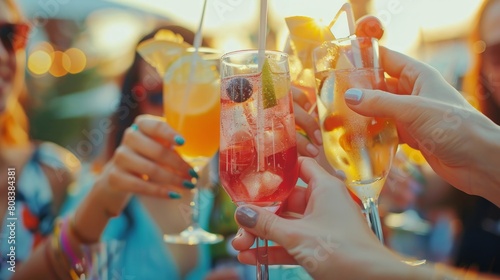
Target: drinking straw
261 60
262 32
347 8
194 58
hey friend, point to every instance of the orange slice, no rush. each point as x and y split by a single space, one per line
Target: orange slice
162 50
306 34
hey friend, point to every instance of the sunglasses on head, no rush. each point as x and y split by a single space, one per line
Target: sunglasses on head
14 35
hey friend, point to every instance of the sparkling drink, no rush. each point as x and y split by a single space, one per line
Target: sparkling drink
360 146
258 156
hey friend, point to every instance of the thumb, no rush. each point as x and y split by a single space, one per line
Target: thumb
378 103
262 223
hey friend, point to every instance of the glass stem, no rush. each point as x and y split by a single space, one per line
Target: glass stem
373 217
262 268
195 207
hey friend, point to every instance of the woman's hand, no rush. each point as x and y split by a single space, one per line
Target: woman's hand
327 233
309 137
146 163
459 142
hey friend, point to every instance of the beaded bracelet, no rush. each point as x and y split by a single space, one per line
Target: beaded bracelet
52 269
58 252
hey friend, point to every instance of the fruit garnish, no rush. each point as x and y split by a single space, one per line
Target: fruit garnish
162 50
369 26
268 92
239 89
332 122
346 141
306 34
375 126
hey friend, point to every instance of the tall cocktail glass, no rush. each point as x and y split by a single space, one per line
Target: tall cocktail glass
191 106
258 149
362 147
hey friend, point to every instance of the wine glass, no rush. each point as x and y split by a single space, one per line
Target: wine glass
362 147
258 162
191 107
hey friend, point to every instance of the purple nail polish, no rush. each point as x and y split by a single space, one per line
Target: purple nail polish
246 216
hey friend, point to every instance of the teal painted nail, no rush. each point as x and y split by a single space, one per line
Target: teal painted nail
193 173
353 96
179 140
134 127
188 184
174 195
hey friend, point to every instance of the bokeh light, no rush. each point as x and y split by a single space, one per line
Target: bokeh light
78 60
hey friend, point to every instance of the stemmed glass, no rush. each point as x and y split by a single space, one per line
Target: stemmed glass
258 149
191 107
362 147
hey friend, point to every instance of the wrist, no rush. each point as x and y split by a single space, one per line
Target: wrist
487 161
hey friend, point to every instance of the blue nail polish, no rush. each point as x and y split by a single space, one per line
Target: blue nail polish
134 127
174 195
353 96
193 173
179 140
188 184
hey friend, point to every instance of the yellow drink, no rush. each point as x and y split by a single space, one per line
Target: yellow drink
196 116
362 147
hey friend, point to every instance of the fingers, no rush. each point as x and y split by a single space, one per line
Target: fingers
124 181
243 240
133 163
308 123
157 128
301 99
276 255
378 103
263 223
295 203
398 65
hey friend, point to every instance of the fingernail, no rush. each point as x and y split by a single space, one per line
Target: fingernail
317 135
313 151
246 216
353 96
193 173
179 140
188 184
174 195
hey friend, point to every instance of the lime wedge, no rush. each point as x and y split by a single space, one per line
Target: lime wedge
268 92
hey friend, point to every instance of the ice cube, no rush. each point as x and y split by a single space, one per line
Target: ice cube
234 122
261 184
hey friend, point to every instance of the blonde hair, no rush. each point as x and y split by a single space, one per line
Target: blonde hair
14 123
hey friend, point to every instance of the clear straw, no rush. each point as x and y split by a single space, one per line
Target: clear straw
196 44
261 59
347 8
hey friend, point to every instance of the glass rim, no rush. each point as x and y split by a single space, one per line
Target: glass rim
253 51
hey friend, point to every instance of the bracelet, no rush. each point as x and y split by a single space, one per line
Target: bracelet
66 248
58 252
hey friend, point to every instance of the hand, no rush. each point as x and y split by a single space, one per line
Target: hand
434 118
329 237
146 163
309 139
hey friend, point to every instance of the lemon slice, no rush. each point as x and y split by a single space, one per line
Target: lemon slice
198 95
160 52
268 91
306 34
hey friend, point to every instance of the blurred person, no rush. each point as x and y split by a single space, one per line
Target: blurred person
327 234
147 217
35 174
479 247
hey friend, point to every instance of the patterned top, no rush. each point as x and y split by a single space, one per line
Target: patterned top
33 219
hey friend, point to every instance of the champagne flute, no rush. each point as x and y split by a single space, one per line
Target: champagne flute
362 147
258 149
